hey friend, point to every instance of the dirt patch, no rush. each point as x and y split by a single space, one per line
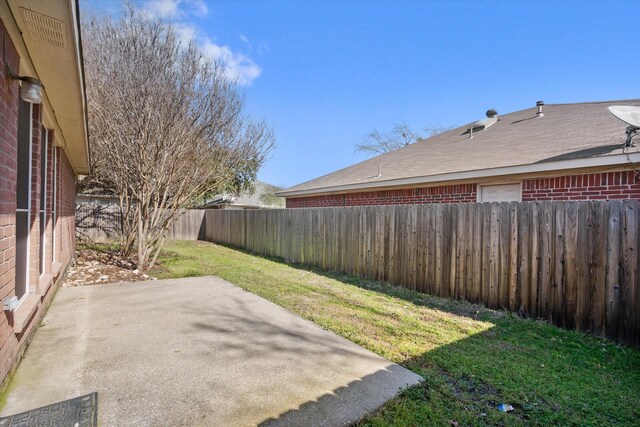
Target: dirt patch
100 267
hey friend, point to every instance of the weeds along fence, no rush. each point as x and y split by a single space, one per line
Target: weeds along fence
574 264
102 223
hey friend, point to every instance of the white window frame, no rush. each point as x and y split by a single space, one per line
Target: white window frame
492 184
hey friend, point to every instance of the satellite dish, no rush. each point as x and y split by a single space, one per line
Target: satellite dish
631 116
628 114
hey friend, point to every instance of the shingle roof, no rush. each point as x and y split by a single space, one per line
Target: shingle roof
566 132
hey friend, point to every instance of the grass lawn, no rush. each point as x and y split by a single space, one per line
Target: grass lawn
472 358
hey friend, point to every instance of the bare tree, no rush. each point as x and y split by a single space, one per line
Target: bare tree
434 130
378 143
166 126
400 136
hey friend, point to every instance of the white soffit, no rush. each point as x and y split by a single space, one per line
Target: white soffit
51 37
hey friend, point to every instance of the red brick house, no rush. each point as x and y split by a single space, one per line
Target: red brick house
43 147
548 152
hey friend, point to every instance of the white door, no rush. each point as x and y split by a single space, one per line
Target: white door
500 193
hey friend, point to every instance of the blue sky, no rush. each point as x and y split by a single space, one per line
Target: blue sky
325 74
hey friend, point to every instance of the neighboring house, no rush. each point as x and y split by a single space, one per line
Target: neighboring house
44 146
549 152
261 198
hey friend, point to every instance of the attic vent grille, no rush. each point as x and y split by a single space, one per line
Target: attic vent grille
44 28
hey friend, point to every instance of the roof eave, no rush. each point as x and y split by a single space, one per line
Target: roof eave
75 4
611 160
61 72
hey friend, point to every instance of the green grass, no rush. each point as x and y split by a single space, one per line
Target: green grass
472 358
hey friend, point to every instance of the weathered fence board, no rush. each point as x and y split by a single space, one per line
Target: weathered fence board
574 264
102 223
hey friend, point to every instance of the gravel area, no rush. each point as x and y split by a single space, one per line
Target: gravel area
93 267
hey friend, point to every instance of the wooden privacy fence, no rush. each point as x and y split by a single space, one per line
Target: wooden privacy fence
101 223
572 263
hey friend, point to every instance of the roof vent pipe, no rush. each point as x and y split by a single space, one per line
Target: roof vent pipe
539 104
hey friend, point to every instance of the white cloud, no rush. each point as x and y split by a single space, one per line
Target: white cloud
185 32
161 8
238 66
175 9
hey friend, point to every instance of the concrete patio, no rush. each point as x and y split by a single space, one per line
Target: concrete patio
198 351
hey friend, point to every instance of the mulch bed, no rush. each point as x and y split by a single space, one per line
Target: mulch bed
93 267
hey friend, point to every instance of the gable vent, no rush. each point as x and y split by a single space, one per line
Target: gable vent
44 28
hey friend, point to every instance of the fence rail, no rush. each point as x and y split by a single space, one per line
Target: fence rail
574 264
101 223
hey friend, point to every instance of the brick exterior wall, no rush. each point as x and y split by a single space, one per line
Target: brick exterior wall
66 224
34 234
465 193
8 169
595 186
49 205
13 344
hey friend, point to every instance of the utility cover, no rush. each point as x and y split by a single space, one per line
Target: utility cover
80 411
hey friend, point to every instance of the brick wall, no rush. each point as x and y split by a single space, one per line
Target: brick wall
13 344
464 193
49 204
66 224
8 167
596 186
34 233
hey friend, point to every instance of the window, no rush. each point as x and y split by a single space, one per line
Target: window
500 193
23 206
54 203
44 145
